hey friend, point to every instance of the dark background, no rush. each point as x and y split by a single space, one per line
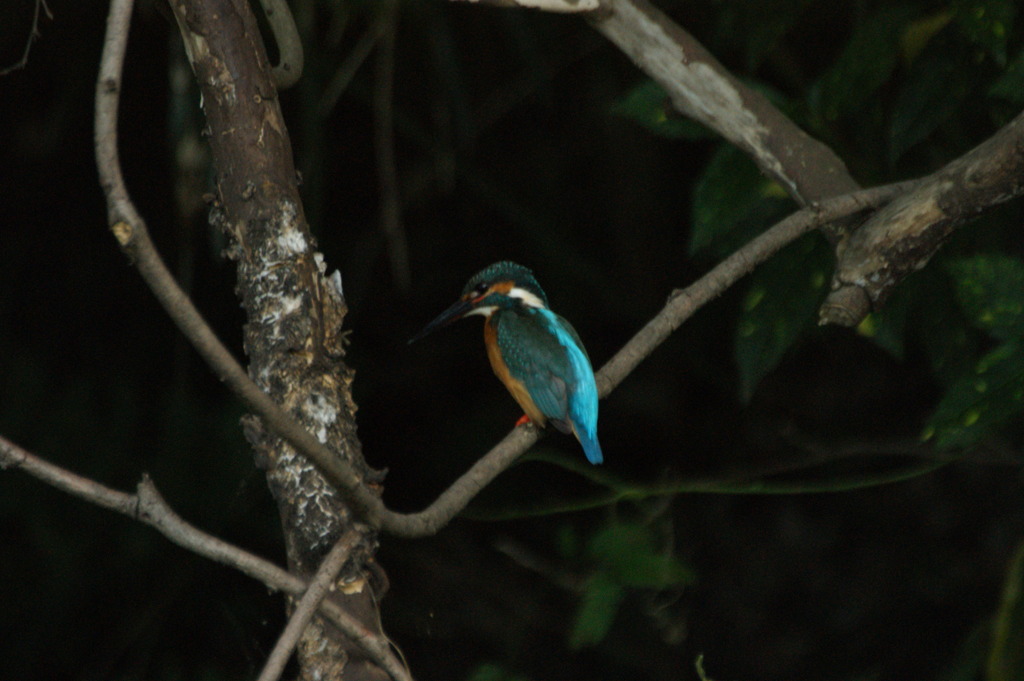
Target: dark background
509 145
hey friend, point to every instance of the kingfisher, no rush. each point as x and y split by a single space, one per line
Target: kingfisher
533 351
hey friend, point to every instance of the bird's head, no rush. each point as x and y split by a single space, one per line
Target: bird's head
503 285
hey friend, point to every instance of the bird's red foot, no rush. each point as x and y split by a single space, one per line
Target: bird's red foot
523 420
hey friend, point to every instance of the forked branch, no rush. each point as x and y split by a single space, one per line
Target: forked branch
902 237
682 304
149 507
131 232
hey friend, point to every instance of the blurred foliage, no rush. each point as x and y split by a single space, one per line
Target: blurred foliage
732 202
649 105
990 288
780 308
920 58
625 556
716 528
1006 658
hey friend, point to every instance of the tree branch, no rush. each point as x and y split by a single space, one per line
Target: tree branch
449 503
33 36
556 6
149 507
289 45
893 243
681 305
700 87
295 313
902 237
315 593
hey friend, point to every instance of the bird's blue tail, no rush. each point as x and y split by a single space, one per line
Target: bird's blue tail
591 447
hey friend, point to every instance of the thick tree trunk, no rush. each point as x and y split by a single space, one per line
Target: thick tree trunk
293 337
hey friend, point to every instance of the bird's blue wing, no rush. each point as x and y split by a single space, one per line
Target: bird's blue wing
583 397
544 352
530 349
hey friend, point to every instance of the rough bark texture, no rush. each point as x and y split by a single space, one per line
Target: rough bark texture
903 236
700 87
293 336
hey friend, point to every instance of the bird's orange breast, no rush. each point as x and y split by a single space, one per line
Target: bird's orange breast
515 386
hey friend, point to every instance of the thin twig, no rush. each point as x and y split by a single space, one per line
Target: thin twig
149 507
317 590
33 35
348 68
618 490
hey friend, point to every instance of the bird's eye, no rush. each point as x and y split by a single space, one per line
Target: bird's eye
481 288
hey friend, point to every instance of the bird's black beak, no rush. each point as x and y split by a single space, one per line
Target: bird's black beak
457 311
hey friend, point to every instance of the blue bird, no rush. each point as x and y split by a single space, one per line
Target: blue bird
533 351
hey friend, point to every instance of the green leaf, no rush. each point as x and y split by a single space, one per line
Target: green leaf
980 401
887 329
936 86
1010 85
866 63
1006 656
732 202
780 305
986 23
940 323
990 288
648 104
628 553
601 600
925 308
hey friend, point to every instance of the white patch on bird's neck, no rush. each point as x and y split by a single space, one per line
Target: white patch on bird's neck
529 299
486 310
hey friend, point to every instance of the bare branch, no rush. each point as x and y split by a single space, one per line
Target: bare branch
556 6
294 337
681 305
289 46
902 237
317 590
33 36
150 508
700 87
131 232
